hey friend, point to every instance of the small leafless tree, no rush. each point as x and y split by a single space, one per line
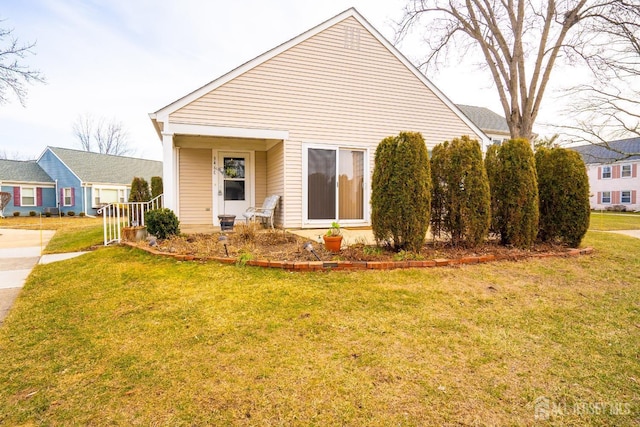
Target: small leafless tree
13 155
5 198
13 73
101 136
519 42
608 108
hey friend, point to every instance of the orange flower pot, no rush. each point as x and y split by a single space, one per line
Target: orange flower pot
332 243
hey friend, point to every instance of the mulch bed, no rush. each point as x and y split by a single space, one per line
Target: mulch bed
281 249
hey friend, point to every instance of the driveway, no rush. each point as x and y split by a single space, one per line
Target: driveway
20 251
632 233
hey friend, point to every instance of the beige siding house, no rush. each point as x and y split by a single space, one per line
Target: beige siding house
301 121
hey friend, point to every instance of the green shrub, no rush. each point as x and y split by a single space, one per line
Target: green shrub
492 166
139 190
563 190
61 213
460 191
162 223
32 213
71 213
157 188
16 213
81 214
401 192
515 186
47 214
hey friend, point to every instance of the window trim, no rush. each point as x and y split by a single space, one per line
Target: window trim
602 197
35 196
96 192
64 197
610 169
622 202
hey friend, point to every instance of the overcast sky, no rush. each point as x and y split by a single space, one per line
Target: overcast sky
123 59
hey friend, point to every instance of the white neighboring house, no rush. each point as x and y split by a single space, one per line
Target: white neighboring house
613 175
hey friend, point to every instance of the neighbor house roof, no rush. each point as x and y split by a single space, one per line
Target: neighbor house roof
610 152
485 119
106 168
159 117
22 171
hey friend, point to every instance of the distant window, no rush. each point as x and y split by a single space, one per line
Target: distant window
625 171
68 198
107 195
28 196
606 197
625 197
606 172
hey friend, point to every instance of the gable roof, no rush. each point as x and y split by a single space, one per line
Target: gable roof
22 171
106 168
159 117
610 152
485 119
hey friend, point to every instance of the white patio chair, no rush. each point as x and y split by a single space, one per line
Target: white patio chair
265 213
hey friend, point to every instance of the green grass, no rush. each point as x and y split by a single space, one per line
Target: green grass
121 337
609 221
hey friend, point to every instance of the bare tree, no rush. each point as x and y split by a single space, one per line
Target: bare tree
102 136
608 108
13 73
519 42
14 155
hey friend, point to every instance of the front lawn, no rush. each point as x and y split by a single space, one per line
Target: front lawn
121 337
609 221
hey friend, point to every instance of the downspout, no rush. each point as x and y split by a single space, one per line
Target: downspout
57 196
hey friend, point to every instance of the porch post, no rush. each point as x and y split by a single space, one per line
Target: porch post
168 171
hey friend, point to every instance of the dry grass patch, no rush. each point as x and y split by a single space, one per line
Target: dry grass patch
122 337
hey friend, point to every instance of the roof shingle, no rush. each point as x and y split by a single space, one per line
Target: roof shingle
22 171
105 168
611 152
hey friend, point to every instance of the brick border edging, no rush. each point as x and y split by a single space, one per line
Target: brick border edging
367 265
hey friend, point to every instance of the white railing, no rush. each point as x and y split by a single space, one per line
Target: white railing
131 214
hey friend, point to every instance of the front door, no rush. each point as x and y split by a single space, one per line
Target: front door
234 183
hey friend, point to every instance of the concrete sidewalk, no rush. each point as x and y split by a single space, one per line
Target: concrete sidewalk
20 251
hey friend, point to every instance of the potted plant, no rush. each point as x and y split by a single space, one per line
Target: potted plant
333 238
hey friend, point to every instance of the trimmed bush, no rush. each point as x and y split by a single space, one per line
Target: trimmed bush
16 213
563 190
513 180
32 213
492 166
162 223
157 187
81 214
61 213
401 192
139 190
71 213
461 201
47 214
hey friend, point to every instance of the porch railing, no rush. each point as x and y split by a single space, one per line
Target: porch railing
130 214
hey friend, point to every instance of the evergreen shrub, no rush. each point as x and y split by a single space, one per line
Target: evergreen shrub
563 190
401 192
162 223
461 202
157 187
139 190
513 181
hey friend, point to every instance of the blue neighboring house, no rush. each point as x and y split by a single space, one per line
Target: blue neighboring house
86 181
30 187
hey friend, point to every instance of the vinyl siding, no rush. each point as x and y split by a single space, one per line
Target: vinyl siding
275 177
261 177
195 192
52 165
324 91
